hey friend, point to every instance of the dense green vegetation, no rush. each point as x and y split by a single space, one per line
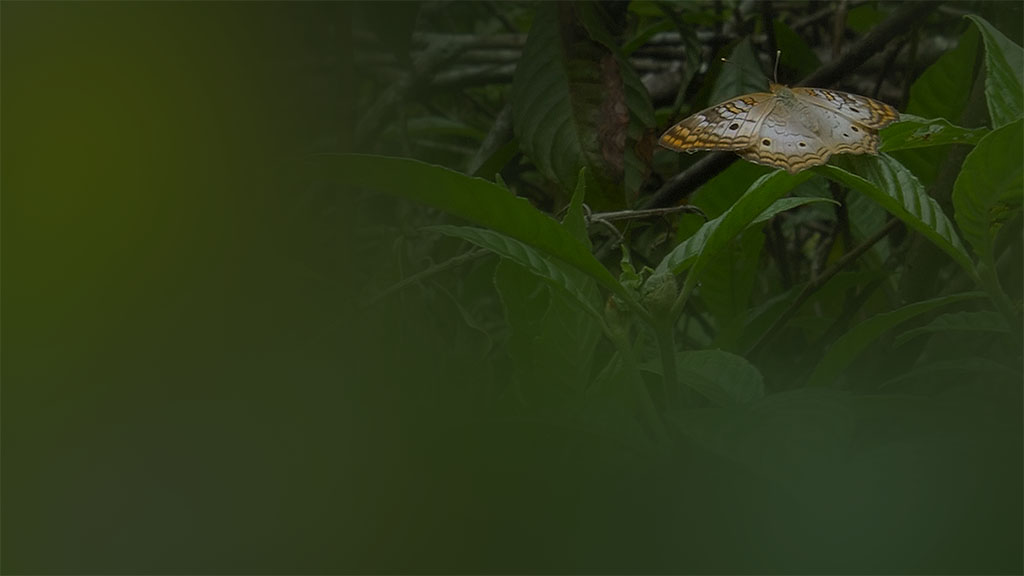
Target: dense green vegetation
812 330
409 287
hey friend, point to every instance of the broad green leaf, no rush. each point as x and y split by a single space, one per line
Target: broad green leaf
979 321
722 377
575 104
990 187
1004 74
728 281
552 343
623 86
439 126
682 256
959 370
640 138
643 36
846 349
862 18
796 53
575 220
866 217
754 202
741 75
722 191
781 436
474 199
941 91
568 279
556 97
915 132
887 182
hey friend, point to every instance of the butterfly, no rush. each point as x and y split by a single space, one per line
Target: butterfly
790 128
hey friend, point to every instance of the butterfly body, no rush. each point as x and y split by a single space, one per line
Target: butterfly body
790 128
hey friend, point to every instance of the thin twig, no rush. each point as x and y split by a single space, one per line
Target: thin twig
638 214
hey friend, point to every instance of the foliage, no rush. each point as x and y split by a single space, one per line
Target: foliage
757 325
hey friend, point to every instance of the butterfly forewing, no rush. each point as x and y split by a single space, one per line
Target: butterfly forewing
867 111
731 125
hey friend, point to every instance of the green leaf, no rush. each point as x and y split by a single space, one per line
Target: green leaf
568 279
941 91
979 321
741 75
682 256
990 187
960 370
796 53
577 103
575 220
781 436
439 126
552 344
722 377
846 349
862 18
1004 74
643 36
727 284
752 204
556 97
916 132
473 199
640 133
718 195
887 182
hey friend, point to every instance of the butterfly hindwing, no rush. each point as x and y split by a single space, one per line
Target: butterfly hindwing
784 141
731 125
796 139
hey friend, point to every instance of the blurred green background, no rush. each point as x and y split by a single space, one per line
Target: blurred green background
188 386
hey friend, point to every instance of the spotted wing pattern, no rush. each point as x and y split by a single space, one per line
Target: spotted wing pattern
790 128
809 125
731 125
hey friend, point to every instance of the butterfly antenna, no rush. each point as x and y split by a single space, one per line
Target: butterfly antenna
778 56
740 66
